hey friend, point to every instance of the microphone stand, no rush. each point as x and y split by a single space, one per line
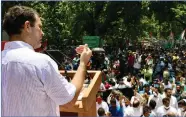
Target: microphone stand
61 65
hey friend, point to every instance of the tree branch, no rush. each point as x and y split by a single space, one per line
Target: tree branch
181 22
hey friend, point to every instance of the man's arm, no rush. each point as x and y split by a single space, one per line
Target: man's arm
78 80
57 87
79 77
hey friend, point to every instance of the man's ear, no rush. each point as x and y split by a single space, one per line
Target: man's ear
27 26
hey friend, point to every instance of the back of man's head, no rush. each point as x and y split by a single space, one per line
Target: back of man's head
167 89
165 100
128 79
136 103
16 17
152 104
101 111
113 101
146 110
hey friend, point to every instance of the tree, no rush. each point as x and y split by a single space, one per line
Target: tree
114 22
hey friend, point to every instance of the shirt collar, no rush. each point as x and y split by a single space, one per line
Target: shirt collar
17 44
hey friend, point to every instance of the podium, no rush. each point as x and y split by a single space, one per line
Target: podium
86 105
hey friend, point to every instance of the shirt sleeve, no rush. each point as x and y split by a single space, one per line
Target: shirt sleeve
55 85
106 107
176 103
126 113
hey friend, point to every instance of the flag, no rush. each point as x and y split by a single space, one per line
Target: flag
171 40
182 35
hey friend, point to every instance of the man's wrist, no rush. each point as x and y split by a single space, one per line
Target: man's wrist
83 66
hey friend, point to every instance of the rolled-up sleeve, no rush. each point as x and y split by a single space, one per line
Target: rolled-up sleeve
56 86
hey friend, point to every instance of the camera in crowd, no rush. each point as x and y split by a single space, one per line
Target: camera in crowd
98 58
98 54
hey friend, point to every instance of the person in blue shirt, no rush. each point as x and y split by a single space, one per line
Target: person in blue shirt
116 110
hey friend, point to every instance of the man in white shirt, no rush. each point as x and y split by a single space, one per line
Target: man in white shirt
136 96
156 96
146 111
173 100
137 63
31 82
166 109
135 110
167 84
100 103
115 94
152 105
127 82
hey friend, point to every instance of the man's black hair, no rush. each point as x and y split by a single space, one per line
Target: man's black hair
15 18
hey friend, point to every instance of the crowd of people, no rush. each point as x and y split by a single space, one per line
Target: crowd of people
144 82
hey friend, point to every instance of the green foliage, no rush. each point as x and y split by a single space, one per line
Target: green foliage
180 13
110 20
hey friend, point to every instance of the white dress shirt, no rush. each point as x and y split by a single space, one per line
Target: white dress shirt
137 96
173 101
133 112
157 99
169 85
31 83
153 113
128 84
161 111
181 113
104 105
137 63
